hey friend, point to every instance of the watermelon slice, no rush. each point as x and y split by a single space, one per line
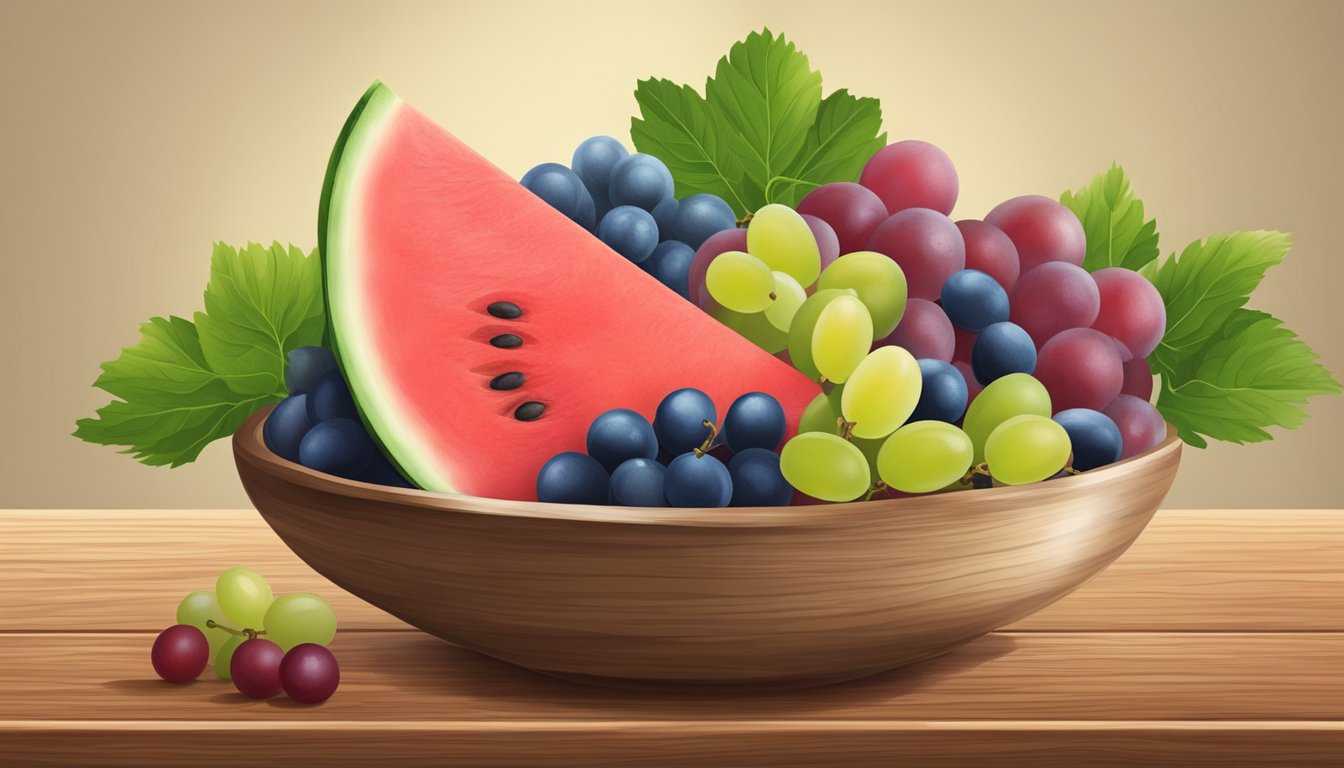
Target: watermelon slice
480 330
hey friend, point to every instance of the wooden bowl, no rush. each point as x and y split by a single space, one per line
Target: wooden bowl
764 596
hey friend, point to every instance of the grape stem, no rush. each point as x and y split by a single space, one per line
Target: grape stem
877 488
251 633
846 427
706 446
745 220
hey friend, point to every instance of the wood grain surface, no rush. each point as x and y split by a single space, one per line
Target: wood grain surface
1216 640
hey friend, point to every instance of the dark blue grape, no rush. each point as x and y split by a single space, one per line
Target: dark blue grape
329 398
757 481
1096 439
670 263
592 162
973 300
572 478
562 189
285 427
340 447
943 394
638 483
701 215
629 231
640 180
680 420
621 434
697 481
381 472
303 365
665 214
754 420
1001 349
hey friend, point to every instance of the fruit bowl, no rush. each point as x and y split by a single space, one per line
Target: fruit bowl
764 597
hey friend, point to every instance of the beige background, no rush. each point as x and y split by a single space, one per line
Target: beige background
135 134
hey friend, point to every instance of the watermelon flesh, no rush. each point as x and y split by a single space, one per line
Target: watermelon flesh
426 247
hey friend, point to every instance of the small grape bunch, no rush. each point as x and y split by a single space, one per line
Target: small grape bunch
262 643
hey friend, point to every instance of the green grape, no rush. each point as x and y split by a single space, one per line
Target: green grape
741 282
819 416
753 327
882 392
800 330
780 237
244 596
842 338
225 656
825 467
924 456
879 282
1007 396
196 609
300 618
1026 449
789 296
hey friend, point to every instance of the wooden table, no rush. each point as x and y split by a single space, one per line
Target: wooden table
1218 639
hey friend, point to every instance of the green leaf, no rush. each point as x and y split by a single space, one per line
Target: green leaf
1206 284
260 304
846 133
1251 373
1117 235
766 96
679 129
172 403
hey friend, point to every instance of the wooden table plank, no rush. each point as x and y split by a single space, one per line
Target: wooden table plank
1240 570
410 676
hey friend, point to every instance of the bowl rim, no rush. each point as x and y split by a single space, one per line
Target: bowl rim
249 448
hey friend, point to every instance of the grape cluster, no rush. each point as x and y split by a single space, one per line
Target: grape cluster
627 201
944 347
224 627
318 426
678 459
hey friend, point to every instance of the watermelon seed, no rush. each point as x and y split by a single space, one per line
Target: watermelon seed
510 380
506 341
529 411
505 310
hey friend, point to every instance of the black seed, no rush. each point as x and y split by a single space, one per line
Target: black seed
529 411
506 341
505 310
511 380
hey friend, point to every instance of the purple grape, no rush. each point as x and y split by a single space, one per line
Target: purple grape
1001 349
972 300
1054 297
309 673
1042 229
990 251
827 243
1080 368
329 398
927 246
912 174
180 653
719 242
255 668
924 331
1131 310
1141 426
1138 379
852 210
340 447
286 426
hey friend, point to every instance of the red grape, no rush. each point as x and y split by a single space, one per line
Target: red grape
309 673
1138 379
1052 297
255 668
924 331
828 245
912 174
853 211
1141 426
926 244
964 342
719 242
1131 309
1042 229
973 385
990 251
1080 368
180 653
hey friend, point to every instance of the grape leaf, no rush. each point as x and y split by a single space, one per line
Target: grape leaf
260 304
1117 235
678 128
1206 284
766 96
173 404
845 134
1249 374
